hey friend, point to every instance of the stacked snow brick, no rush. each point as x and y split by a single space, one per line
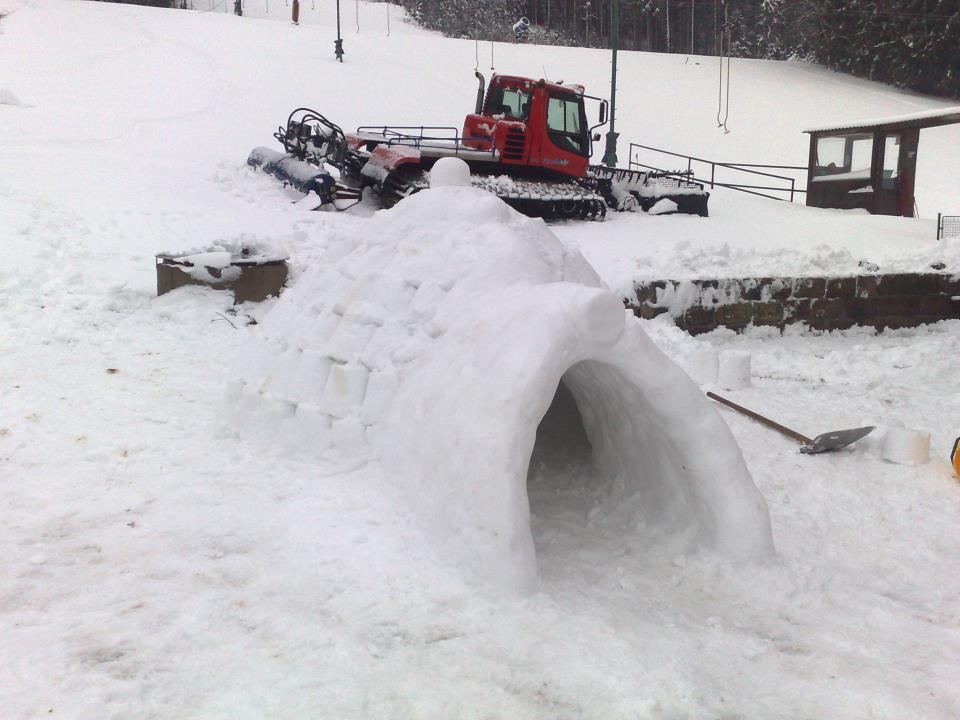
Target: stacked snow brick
326 361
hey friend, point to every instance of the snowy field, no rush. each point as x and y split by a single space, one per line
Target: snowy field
156 566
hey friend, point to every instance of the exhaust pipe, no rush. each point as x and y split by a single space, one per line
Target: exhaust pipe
480 91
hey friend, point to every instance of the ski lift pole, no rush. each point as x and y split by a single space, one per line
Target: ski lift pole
610 152
338 43
726 130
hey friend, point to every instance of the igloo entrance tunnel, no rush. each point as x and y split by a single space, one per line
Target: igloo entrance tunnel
435 336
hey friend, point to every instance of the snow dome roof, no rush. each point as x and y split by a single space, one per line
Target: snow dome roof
433 338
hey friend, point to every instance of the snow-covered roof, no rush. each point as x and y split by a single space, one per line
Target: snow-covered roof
925 118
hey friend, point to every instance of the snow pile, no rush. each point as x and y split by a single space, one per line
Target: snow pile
663 206
8 98
439 334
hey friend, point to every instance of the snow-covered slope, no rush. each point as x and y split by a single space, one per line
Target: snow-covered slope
153 565
177 99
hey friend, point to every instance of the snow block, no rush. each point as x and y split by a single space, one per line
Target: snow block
348 340
450 171
734 370
703 365
345 389
906 447
477 316
308 377
380 391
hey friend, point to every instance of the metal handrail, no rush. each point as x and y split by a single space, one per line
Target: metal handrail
739 167
395 135
394 129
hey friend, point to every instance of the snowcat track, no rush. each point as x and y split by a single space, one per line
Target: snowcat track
533 198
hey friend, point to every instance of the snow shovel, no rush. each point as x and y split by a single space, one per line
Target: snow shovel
828 442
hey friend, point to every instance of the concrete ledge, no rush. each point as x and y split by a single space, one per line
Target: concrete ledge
821 303
250 279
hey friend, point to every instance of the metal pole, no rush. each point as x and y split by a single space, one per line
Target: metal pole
668 26
338 43
692 6
586 23
610 155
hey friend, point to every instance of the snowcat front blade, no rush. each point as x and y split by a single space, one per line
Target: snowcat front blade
648 188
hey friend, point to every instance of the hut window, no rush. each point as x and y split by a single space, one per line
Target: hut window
891 161
844 157
829 154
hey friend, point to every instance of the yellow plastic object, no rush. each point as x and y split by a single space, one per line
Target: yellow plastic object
955 457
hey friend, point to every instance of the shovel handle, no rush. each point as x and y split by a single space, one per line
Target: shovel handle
761 419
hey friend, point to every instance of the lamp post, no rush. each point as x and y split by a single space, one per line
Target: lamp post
338 43
610 153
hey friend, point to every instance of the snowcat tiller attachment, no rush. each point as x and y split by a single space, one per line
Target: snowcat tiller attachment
310 141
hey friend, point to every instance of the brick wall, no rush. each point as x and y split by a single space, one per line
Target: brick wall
823 303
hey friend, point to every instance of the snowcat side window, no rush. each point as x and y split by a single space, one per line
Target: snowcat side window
565 123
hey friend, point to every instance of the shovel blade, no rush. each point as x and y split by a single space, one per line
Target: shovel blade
835 440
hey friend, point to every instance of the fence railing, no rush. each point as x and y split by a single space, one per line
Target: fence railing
948 226
753 181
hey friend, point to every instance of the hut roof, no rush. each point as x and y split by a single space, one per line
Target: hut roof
924 119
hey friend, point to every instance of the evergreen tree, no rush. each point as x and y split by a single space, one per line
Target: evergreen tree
913 44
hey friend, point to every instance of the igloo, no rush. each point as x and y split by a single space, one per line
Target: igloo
432 338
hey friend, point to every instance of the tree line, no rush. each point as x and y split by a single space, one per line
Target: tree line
914 44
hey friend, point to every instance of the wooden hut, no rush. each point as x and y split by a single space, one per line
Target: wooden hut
870 164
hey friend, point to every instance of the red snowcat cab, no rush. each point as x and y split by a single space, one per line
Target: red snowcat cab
528 141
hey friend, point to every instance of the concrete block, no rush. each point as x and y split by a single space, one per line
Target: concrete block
841 287
809 287
909 284
867 286
767 313
735 316
249 281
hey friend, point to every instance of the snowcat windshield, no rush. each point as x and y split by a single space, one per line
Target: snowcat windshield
512 103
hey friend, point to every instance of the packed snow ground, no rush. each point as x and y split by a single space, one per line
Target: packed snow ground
154 566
